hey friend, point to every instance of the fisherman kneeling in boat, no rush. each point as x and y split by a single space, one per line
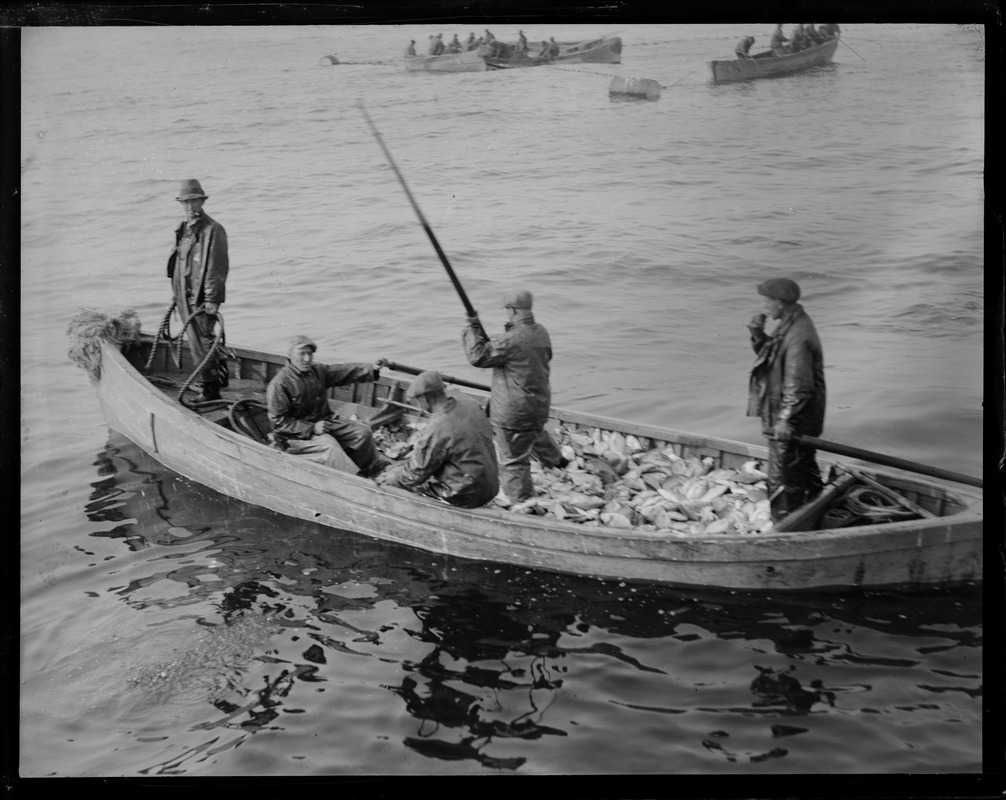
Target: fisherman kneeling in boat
454 458
297 403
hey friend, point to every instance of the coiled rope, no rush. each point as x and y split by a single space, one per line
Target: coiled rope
869 504
163 333
219 347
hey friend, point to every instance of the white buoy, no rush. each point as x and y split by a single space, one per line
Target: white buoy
635 87
328 60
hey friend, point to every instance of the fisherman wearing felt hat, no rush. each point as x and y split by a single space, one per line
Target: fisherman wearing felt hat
197 269
453 459
303 422
520 394
787 391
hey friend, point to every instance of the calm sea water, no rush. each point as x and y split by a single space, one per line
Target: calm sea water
166 630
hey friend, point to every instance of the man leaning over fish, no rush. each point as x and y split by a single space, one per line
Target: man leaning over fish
453 459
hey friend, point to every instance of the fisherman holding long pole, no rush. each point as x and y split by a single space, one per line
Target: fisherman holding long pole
520 396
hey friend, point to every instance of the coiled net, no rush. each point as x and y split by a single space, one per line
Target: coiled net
89 328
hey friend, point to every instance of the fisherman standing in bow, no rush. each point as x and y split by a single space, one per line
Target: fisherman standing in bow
520 394
197 269
453 459
787 391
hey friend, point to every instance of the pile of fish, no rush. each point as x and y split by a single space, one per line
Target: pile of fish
630 482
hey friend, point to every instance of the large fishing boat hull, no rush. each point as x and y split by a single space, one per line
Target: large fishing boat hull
469 61
768 65
208 450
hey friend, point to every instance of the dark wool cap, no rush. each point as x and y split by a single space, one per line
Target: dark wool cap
780 289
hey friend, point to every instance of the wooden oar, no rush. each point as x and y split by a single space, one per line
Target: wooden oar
447 378
426 226
889 461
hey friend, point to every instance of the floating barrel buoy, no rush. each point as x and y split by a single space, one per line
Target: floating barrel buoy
635 87
328 60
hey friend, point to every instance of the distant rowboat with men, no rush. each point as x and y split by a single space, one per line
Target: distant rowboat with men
499 55
770 65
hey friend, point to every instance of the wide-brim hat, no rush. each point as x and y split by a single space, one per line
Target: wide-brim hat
191 190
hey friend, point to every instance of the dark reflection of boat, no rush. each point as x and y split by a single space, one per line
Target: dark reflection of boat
500 643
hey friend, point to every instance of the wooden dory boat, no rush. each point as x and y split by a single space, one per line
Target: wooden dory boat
468 61
768 65
606 50
208 449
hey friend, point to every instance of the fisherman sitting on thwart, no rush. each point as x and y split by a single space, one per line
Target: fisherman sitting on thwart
303 423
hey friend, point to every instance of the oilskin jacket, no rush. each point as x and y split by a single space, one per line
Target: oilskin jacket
296 400
787 380
519 358
206 267
455 454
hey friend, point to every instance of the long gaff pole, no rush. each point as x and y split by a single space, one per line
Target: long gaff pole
415 207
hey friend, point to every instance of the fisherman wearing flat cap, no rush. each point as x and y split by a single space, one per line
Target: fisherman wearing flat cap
297 403
454 458
787 391
197 269
520 394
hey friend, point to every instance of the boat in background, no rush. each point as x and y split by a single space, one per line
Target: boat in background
769 65
226 448
468 61
606 50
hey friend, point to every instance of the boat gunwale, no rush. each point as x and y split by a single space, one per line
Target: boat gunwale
971 502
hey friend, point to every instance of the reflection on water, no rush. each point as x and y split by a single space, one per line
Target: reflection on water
495 667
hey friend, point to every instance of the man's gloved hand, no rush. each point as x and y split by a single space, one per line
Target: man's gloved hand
210 308
757 322
783 431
